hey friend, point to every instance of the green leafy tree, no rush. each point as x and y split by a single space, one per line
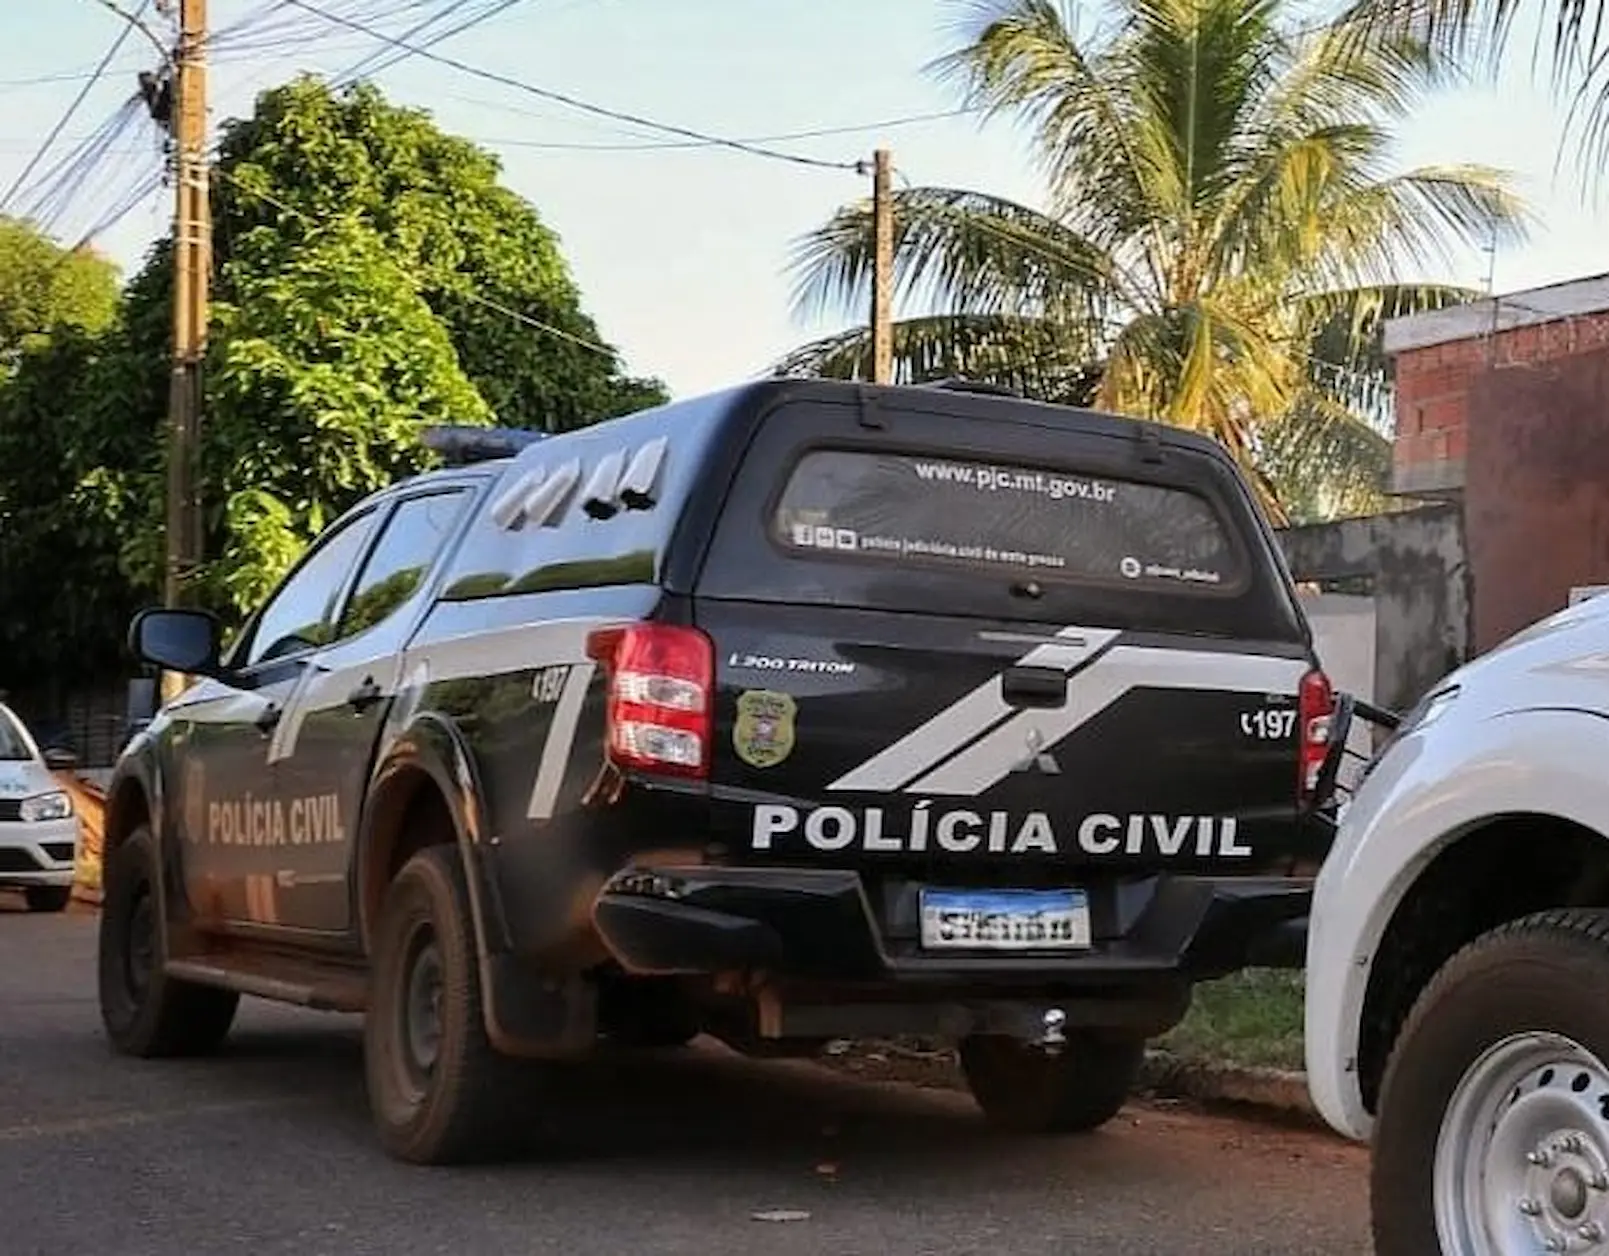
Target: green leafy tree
481 257
78 424
44 287
1220 240
371 278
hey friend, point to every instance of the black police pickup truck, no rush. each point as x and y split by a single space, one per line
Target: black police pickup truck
801 711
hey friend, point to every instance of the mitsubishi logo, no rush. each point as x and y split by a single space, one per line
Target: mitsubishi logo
1037 757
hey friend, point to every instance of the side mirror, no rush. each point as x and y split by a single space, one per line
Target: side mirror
60 759
179 640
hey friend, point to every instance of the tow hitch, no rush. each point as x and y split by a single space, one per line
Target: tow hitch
1053 1037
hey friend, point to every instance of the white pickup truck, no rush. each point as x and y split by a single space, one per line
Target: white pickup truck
1458 956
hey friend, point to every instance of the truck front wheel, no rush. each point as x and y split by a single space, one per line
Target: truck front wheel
145 1012
1023 1088
1492 1130
438 1091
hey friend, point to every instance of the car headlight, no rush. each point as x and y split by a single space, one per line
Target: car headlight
53 806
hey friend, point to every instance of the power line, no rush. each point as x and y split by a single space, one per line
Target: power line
378 63
576 103
61 123
136 21
273 27
418 28
50 197
684 145
43 80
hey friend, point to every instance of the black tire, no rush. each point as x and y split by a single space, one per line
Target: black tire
1547 972
456 1099
145 1012
47 897
1023 1089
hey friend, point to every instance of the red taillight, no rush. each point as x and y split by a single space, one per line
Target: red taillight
661 678
1315 706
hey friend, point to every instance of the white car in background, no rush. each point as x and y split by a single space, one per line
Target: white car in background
38 830
1458 956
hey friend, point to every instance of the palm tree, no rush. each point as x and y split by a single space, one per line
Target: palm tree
1480 30
1219 243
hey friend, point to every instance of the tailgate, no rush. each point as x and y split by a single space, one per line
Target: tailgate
998 649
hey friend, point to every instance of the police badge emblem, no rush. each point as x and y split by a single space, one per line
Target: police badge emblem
763 732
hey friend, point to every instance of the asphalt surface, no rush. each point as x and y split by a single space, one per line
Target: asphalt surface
266 1149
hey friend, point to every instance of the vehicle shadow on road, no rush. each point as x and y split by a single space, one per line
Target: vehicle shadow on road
642 1109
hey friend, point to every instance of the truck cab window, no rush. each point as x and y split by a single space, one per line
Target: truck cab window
401 559
301 613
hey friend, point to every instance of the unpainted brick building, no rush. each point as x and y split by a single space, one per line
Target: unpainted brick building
1502 406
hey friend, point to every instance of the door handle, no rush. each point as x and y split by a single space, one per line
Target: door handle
266 719
364 696
1034 687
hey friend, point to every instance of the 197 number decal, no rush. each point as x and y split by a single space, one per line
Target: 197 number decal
1268 725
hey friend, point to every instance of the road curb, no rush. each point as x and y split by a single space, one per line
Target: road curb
1208 1081
1163 1075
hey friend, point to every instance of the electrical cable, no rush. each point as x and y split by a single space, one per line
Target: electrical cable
379 62
578 104
51 195
684 145
78 100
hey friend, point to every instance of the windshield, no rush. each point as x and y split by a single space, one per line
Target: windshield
14 743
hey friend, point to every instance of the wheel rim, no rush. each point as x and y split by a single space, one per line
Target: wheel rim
140 954
1522 1158
421 1007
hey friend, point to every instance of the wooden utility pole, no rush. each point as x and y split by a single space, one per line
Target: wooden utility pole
192 270
883 267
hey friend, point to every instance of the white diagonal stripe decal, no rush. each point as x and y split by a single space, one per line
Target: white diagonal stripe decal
988 761
965 718
560 741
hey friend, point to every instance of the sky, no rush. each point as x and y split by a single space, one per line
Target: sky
682 255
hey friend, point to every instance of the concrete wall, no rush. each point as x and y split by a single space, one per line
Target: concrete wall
1344 637
1412 566
1536 489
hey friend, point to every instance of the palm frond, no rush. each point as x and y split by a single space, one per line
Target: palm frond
1034 357
1324 461
1023 58
1478 34
959 251
1416 216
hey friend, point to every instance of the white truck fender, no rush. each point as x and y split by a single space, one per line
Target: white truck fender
1428 790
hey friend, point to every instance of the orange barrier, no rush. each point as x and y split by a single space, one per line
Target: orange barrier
89 805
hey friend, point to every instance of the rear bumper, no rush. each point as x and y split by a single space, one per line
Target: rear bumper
821 927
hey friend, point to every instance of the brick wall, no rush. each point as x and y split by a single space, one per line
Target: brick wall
1433 386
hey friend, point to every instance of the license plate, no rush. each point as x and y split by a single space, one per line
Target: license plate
1005 920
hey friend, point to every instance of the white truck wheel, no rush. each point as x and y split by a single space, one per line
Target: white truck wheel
1492 1136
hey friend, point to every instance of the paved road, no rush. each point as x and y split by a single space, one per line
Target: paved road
266 1150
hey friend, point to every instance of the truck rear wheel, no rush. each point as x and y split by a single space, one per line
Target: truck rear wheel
438 1091
145 1012
1492 1133
1024 1089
